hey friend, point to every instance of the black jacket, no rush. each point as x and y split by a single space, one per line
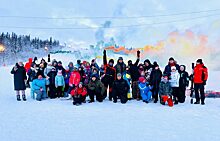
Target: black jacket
134 71
19 77
155 78
120 86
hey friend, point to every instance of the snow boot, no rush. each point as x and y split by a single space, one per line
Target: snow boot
91 101
202 103
18 98
197 102
24 98
170 102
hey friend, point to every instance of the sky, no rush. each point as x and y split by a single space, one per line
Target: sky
128 36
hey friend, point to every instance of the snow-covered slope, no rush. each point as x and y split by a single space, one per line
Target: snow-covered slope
135 121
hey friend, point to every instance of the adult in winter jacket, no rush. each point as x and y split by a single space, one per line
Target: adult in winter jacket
79 94
59 83
120 66
133 68
74 80
155 79
174 82
95 88
109 75
183 83
52 88
120 89
145 90
28 64
60 67
93 62
32 74
171 63
165 91
200 78
39 87
20 77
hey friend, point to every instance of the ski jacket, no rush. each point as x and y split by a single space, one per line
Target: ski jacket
200 74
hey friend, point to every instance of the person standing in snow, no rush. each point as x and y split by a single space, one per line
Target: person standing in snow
133 68
171 63
32 74
200 78
145 90
127 78
183 84
109 75
120 89
20 77
120 67
174 82
79 94
74 79
52 88
59 83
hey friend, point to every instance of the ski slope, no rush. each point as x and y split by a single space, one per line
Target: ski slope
56 120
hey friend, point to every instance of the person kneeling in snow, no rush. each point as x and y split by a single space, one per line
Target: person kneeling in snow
79 94
165 91
145 90
120 89
95 87
39 87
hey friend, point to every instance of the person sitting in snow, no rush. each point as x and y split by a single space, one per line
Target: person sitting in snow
79 94
145 90
95 88
120 89
165 91
59 83
39 87
74 79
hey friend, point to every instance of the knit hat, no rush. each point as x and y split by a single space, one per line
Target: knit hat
59 72
155 64
111 61
120 58
165 74
59 62
171 58
173 68
142 79
199 61
119 75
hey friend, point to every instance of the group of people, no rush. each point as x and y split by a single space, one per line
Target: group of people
132 81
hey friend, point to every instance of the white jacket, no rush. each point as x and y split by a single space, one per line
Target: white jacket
175 77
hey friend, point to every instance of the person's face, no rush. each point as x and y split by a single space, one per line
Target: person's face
146 64
171 61
20 63
173 70
93 67
93 78
55 64
94 71
120 61
80 69
127 69
142 73
59 64
156 68
40 77
119 77
197 63
165 77
111 64
71 65
182 68
80 85
141 67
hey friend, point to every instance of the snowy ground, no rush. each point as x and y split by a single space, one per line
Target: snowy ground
56 120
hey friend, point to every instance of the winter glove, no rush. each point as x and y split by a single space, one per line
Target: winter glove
138 54
104 52
204 82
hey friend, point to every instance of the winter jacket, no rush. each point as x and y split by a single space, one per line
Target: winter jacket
120 67
134 71
79 91
200 74
120 86
52 76
67 77
145 91
155 78
19 77
74 78
165 88
60 68
39 83
47 70
96 86
28 65
32 74
184 79
174 79
59 80
110 71
167 69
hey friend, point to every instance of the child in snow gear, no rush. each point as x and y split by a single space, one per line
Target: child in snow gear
79 94
127 77
200 78
145 90
165 91
133 68
52 88
19 80
95 88
174 82
109 76
59 83
32 74
171 63
155 79
183 83
74 79
120 89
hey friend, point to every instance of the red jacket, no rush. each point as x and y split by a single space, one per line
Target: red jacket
74 78
200 73
28 64
79 91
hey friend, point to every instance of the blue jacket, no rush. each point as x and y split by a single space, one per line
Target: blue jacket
59 80
39 83
144 88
